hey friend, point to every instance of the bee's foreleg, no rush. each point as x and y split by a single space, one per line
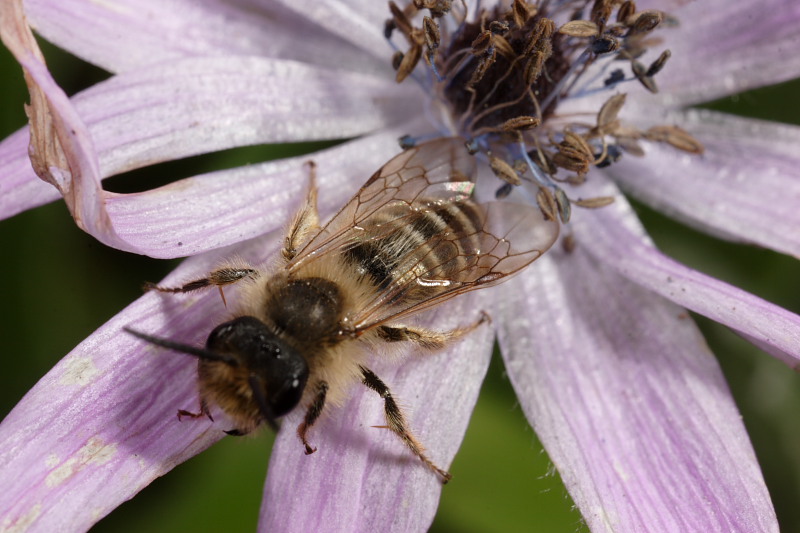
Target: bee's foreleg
426 338
216 278
204 411
312 414
396 421
306 221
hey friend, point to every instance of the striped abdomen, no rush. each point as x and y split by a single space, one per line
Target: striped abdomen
416 252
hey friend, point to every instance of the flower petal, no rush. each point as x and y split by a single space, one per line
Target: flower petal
744 187
360 27
628 401
364 479
614 237
101 425
199 105
128 34
225 207
725 47
20 188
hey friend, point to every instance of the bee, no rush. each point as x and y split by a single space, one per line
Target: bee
301 331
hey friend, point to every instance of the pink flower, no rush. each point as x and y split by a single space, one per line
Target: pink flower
616 381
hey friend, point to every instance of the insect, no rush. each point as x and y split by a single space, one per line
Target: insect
302 332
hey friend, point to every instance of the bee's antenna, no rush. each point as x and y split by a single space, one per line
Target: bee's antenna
200 353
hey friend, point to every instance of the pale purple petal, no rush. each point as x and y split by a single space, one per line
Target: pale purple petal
226 207
363 478
194 106
198 105
614 237
127 34
628 401
101 425
773 350
358 27
725 47
20 189
745 187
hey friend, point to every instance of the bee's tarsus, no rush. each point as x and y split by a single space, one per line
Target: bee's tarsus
204 412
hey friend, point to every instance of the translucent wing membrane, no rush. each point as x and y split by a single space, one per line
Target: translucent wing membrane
440 169
418 238
506 238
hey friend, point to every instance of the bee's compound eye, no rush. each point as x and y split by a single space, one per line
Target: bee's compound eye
284 373
219 336
286 394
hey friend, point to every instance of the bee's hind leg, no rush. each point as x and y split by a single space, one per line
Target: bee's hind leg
427 338
397 423
306 221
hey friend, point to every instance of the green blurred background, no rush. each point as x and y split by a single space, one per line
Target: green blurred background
58 285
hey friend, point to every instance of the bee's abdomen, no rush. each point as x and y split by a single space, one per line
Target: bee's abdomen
423 244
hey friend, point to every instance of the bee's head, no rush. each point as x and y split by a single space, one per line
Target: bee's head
277 373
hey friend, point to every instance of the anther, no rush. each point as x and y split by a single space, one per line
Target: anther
656 66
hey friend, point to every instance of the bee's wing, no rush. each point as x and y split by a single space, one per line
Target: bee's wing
509 238
440 169
495 240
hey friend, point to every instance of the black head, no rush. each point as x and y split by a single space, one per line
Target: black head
277 372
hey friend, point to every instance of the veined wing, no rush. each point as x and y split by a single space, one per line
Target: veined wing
451 248
419 238
440 169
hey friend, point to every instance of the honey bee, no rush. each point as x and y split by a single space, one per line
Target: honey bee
301 332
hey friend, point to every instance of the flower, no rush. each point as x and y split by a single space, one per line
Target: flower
618 384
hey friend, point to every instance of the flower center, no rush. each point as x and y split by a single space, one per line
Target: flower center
494 75
499 76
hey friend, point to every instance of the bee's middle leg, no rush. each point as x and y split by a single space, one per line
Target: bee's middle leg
427 338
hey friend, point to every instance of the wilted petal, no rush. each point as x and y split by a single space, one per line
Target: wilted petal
628 401
101 425
725 47
363 478
613 235
744 187
61 148
128 34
